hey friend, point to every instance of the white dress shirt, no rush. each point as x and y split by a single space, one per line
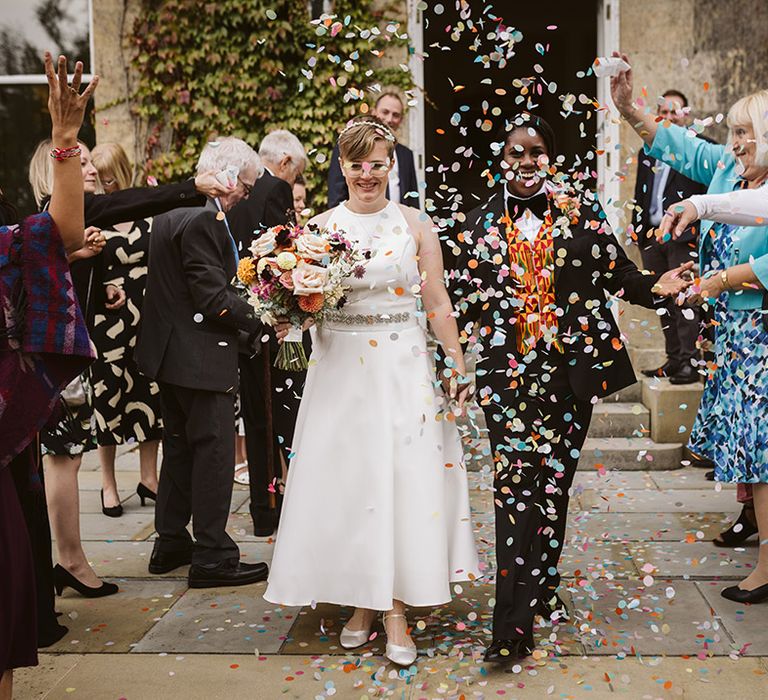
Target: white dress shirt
394 181
739 208
660 177
528 224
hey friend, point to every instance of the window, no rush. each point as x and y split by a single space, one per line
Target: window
26 30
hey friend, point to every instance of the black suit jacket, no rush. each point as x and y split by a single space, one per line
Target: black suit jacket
677 187
409 185
593 263
192 315
269 204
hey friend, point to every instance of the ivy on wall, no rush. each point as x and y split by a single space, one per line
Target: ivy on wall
244 67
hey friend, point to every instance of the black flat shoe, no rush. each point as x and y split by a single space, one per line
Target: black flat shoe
163 562
112 511
737 533
502 650
740 595
554 609
230 572
144 493
687 374
710 475
666 370
62 578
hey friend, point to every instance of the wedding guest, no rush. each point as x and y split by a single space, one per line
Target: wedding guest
734 374
188 343
126 405
656 186
300 199
269 396
402 183
43 344
376 512
730 428
73 432
534 269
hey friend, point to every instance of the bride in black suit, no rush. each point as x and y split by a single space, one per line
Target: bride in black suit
531 286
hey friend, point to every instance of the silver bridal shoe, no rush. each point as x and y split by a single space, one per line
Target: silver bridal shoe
402 656
351 640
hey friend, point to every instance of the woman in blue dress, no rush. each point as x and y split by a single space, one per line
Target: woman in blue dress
730 428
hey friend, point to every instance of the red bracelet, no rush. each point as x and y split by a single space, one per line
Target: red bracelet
60 154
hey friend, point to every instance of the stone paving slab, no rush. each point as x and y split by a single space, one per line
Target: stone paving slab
663 618
668 501
90 480
114 623
612 480
230 676
597 560
696 560
688 478
129 526
638 527
222 620
746 624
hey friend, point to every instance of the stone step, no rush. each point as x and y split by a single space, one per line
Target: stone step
619 420
646 358
673 408
630 454
642 327
630 394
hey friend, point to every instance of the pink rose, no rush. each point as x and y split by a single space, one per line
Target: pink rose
263 245
286 279
312 246
308 279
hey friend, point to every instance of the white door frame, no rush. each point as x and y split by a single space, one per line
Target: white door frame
607 127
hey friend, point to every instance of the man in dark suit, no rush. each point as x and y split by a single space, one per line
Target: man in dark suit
657 186
192 323
269 397
403 184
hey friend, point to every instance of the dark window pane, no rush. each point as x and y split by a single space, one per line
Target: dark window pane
24 122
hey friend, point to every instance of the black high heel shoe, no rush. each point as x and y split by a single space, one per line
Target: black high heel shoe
144 493
112 511
62 578
742 595
733 538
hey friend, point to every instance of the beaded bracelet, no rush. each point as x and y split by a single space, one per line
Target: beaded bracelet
60 154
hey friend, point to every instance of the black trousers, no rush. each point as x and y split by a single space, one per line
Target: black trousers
197 473
283 390
537 430
681 324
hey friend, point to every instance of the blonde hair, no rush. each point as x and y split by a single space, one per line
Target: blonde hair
111 158
41 172
362 134
751 110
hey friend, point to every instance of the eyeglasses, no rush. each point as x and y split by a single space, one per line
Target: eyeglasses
248 188
376 168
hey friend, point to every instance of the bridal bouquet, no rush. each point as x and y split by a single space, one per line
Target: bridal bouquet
298 273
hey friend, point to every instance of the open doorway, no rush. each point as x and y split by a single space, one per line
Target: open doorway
472 81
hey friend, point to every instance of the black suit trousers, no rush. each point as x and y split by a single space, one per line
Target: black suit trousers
285 388
536 432
681 324
197 473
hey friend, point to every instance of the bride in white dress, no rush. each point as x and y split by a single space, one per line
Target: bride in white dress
376 510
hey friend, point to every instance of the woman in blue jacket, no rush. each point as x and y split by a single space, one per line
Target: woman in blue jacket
731 427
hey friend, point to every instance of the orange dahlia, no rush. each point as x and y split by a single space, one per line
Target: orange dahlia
246 271
312 303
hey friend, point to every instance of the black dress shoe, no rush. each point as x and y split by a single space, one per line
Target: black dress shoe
230 572
740 595
144 493
163 562
62 578
666 370
740 531
554 609
710 475
502 650
264 523
50 636
687 374
111 511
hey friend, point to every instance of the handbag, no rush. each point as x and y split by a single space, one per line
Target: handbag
74 393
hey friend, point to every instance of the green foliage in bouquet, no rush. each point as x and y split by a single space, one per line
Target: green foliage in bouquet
245 67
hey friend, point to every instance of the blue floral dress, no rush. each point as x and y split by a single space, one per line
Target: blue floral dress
731 426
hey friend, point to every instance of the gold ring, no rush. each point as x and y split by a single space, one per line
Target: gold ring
73 91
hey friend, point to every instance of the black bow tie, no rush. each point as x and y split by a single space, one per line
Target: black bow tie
538 204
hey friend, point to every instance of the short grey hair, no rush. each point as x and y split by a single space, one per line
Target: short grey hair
279 143
221 153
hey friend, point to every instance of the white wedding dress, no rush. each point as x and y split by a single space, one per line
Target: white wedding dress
376 504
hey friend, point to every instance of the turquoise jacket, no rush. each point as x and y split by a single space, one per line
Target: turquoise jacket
715 166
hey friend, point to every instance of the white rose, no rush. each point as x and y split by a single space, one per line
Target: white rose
312 246
263 245
308 279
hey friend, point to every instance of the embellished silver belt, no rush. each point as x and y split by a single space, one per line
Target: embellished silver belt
366 319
